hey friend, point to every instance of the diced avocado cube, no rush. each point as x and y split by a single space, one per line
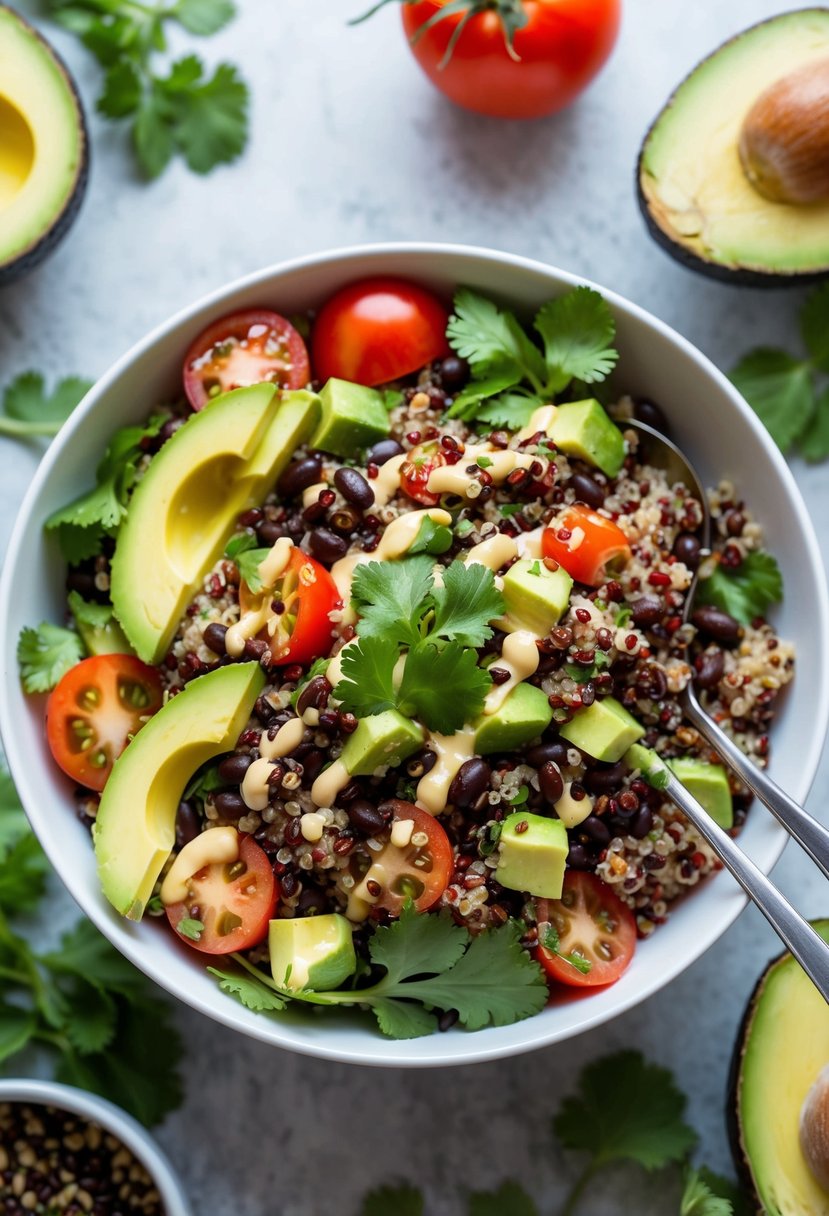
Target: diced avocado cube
605 730
101 633
708 783
533 853
315 952
353 417
385 738
650 764
582 428
521 717
536 598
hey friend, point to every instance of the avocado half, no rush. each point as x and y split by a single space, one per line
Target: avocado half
44 148
696 199
782 1046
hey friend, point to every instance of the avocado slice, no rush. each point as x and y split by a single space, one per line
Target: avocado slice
584 429
533 854
135 828
224 460
708 783
605 730
782 1046
535 598
44 156
697 201
99 630
385 738
353 418
315 952
521 717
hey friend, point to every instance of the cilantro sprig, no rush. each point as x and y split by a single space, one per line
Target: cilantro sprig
790 393
746 592
29 410
183 110
430 964
511 374
45 654
404 615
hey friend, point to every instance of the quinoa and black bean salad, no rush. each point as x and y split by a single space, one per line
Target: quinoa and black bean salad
393 623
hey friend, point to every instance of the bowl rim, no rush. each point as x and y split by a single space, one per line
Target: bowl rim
268 1030
112 1118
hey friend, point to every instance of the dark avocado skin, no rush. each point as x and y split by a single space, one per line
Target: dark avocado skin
737 276
34 254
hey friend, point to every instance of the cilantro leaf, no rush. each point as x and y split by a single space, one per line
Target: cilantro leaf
403 1019
578 329
207 117
510 410
509 1200
779 389
45 654
700 1199
249 561
466 603
748 591
415 944
468 401
422 695
152 135
625 1110
122 90
240 543
814 325
13 822
814 442
23 873
251 993
204 16
389 598
393 1201
29 410
16 1029
86 953
480 333
94 1020
367 685
431 538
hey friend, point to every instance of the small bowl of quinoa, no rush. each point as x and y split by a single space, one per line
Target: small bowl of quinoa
65 1152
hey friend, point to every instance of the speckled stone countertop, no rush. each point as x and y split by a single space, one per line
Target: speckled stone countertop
350 144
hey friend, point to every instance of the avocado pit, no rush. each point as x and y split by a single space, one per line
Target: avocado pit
814 1129
784 140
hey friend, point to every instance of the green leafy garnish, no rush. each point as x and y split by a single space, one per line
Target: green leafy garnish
29 410
431 538
510 372
190 928
249 561
419 696
181 111
45 654
746 592
509 1200
549 939
465 604
240 543
705 1194
788 392
392 598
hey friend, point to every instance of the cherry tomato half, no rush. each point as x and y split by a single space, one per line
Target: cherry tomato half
585 543
554 56
95 710
302 631
244 348
593 925
415 470
378 330
420 871
232 900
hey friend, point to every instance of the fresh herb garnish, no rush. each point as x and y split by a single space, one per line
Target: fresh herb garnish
431 537
28 409
549 939
239 544
190 928
203 118
706 1194
576 331
249 561
790 393
45 654
746 592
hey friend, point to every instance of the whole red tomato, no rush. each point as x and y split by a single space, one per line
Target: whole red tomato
537 70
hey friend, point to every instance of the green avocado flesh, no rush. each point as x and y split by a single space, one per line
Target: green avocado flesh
533 854
315 952
784 1045
42 139
604 730
691 181
224 460
135 828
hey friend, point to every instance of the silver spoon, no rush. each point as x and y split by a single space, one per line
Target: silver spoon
804 943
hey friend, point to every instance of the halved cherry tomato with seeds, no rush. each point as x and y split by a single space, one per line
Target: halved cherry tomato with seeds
594 928
420 870
415 470
95 710
233 901
585 544
305 595
244 348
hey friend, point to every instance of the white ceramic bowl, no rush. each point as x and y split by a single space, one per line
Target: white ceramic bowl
112 1119
709 419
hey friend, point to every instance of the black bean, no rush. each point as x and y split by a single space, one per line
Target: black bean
326 545
470 781
383 450
646 611
299 475
686 550
345 520
587 490
354 487
365 817
709 667
651 414
716 624
551 781
735 521
606 779
214 638
311 901
314 695
269 532
554 750
264 711
188 824
233 768
597 830
642 823
577 858
229 804
453 372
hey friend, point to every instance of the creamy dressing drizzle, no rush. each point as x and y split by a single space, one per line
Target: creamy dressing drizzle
397 539
329 783
520 657
452 751
454 479
215 846
250 622
387 482
254 788
529 543
494 552
570 811
540 420
288 737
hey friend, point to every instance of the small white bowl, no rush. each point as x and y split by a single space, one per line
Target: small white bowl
709 418
112 1119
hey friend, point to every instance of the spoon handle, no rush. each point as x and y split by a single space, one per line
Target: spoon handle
810 950
809 834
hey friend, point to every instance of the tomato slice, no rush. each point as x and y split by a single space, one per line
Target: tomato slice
415 470
232 900
95 710
302 631
377 330
421 870
585 544
593 926
244 348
